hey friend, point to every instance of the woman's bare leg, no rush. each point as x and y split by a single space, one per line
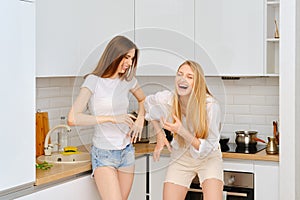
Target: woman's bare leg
107 183
126 175
174 192
212 189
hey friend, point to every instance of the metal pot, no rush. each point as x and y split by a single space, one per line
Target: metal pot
247 138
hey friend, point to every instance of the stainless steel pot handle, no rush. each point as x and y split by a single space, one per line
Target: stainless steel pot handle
236 194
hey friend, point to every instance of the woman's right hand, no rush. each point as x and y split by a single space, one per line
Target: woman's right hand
123 119
161 141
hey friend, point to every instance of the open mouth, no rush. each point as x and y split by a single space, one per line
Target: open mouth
124 68
181 86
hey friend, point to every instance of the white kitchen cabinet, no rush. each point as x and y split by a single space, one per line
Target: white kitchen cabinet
231 34
72 34
138 190
238 165
81 188
57 37
266 176
158 172
266 180
99 22
17 65
164 32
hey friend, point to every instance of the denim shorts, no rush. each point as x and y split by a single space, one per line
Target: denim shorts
112 158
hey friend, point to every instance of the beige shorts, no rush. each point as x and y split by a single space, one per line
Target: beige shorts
183 168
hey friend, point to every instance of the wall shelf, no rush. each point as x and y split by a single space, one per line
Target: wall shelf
272 9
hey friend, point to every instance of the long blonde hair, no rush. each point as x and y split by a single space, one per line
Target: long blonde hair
196 112
113 54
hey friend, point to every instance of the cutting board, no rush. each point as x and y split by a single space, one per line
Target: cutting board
42 128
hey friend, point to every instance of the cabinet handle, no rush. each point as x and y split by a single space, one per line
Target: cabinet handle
237 194
28 1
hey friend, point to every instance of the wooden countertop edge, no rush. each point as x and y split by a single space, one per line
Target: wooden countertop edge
60 171
274 158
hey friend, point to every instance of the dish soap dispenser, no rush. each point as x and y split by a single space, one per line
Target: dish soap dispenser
62 135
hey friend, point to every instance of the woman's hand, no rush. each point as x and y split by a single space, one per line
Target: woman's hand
175 127
178 128
137 128
123 119
161 141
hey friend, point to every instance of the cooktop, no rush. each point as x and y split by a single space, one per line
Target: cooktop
233 148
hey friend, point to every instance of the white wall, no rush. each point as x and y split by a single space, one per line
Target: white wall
289 99
249 103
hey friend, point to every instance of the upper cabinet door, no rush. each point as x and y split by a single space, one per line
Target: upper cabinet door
231 34
100 21
72 34
57 38
164 32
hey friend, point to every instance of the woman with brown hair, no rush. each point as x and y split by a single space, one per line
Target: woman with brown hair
105 92
192 114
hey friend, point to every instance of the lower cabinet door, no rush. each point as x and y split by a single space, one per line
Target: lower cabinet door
138 190
157 176
81 188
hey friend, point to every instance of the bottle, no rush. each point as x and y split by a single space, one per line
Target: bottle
62 135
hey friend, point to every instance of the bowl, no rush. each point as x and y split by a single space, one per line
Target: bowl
80 157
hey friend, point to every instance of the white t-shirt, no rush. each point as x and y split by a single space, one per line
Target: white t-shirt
109 97
159 105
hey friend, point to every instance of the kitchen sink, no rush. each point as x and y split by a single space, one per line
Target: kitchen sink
80 157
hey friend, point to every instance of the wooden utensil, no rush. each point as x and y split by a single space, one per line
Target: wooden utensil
42 128
275 131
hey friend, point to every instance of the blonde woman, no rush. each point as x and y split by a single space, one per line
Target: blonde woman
192 114
105 92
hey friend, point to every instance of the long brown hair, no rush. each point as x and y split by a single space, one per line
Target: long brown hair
196 113
113 54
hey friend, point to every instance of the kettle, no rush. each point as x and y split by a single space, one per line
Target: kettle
272 146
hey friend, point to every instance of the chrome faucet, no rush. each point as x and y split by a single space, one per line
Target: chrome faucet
48 147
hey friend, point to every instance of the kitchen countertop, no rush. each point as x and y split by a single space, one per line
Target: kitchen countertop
61 171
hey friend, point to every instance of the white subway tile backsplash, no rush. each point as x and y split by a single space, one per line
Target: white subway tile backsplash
246 104
267 90
272 100
245 81
231 128
240 109
66 91
249 100
60 102
54 114
42 104
42 82
249 119
237 90
227 119
47 92
264 110
61 81
228 100
272 81
271 118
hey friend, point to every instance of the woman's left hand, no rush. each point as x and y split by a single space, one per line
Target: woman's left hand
136 130
175 127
